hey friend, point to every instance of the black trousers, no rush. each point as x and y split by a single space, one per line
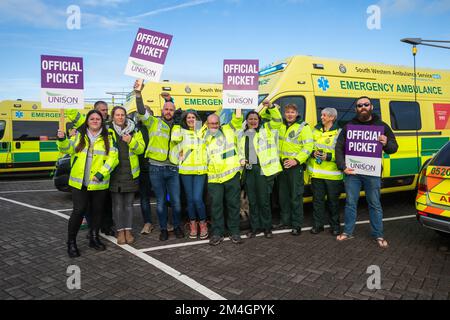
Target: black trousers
82 200
107 218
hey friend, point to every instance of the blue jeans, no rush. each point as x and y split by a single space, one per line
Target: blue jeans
372 186
193 187
144 195
165 180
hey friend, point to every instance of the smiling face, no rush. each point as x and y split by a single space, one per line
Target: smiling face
168 111
253 121
190 120
119 117
326 118
290 114
213 122
94 122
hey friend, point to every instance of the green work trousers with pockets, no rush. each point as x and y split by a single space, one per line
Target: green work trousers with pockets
229 193
291 187
259 188
331 189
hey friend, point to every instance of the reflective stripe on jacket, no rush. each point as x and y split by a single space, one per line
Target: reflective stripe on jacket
325 142
102 163
266 147
222 153
193 147
160 147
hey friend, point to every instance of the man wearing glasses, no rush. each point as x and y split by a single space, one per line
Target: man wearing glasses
354 182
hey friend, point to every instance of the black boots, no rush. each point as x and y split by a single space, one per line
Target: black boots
72 249
94 240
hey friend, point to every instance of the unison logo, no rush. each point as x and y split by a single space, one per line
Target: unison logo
238 99
137 67
61 98
354 164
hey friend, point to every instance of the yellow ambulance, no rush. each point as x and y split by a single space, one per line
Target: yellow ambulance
28 136
416 108
205 98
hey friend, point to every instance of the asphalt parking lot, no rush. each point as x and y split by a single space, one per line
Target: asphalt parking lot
34 260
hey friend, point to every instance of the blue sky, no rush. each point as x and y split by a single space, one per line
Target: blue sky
207 31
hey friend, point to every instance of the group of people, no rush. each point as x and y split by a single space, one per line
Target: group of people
120 158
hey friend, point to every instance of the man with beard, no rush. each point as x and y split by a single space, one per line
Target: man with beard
162 156
354 182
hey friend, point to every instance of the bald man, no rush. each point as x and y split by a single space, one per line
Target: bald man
162 155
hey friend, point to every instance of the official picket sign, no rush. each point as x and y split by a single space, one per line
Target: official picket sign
240 84
148 55
62 82
363 151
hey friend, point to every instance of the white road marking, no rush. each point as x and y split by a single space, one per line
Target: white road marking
134 204
25 191
192 243
23 181
59 214
156 263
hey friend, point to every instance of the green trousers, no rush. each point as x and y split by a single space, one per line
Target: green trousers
331 189
258 188
228 193
290 194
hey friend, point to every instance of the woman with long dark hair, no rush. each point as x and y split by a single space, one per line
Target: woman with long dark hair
258 152
125 177
93 158
192 168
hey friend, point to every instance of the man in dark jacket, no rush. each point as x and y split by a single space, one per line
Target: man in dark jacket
371 184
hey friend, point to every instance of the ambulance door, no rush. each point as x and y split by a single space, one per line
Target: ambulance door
32 139
5 142
405 121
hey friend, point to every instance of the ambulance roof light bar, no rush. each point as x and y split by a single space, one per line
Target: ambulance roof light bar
272 69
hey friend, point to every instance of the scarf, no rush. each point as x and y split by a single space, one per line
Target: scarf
129 127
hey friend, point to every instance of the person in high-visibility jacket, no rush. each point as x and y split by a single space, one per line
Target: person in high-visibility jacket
94 158
224 172
125 177
258 152
78 120
192 168
162 154
326 178
295 147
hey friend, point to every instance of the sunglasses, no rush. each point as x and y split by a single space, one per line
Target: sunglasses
360 105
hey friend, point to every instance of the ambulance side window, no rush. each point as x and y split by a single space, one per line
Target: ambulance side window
34 130
345 108
405 115
2 128
299 101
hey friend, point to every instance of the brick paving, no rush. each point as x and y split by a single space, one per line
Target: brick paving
34 260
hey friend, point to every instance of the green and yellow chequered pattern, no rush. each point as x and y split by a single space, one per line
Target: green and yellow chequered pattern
406 162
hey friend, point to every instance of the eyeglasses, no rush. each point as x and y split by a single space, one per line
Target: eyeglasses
360 105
